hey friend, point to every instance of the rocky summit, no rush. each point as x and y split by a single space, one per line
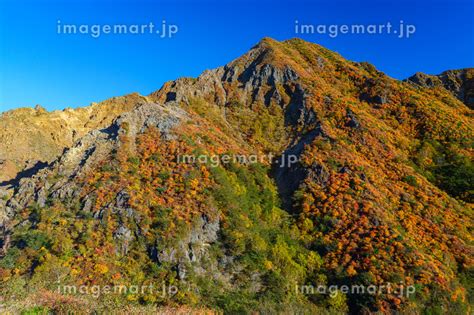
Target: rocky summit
344 178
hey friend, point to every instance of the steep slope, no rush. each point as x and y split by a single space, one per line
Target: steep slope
368 145
379 194
31 138
458 82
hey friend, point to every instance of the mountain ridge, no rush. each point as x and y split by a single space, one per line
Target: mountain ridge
459 82
369 199
14 162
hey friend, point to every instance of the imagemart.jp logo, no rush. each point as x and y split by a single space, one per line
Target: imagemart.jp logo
402 30
96 291
160 30
401 290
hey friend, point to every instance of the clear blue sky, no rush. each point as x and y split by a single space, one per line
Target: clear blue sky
39 66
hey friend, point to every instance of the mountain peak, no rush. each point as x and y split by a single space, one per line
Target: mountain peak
359 180
267 41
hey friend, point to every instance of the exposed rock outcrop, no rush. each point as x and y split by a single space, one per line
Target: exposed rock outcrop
87 152
29 136
458 82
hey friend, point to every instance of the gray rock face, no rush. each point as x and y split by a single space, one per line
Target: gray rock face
123 236
193 250
459 82
248 79
353 121
424 80
297 113
319 174
86 153
212 85
4 196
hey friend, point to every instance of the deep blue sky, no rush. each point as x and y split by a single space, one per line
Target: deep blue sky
38 66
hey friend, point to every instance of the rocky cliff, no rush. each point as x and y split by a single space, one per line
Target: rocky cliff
458 82
379 192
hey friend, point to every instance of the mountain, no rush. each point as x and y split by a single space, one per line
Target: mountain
288 168
30 138
458 82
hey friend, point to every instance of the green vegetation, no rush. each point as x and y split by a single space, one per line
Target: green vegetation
382 194
52 245
447 167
